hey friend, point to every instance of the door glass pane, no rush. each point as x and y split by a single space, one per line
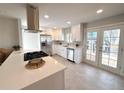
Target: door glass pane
113 63
115 41
115 33
106 45
114 49
88 51
105 55
89 36
91 46
113 56
107 33
92 58
94 36
106 41
88 56
94 47
105 61
93 52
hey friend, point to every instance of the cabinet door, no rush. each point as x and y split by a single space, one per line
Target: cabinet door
57 34
78 55
63 52
54 49
76 35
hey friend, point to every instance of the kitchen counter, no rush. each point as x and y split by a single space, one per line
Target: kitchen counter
14 75
74 47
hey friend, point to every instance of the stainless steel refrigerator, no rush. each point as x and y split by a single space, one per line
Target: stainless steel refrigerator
46 43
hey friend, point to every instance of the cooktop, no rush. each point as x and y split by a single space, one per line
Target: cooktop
33 55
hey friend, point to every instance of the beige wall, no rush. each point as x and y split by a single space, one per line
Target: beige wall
106 21
8 32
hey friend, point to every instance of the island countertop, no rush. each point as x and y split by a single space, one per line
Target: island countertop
14 75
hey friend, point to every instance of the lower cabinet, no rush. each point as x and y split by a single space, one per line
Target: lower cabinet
76 56
60 50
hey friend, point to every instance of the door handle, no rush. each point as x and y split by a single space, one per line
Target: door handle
100 49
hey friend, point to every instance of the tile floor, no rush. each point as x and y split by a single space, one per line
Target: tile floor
86 77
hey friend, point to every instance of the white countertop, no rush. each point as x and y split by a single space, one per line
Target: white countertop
74 47
71 46
14 75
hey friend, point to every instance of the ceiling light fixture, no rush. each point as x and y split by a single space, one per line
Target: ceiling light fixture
68 22
99 11
46 16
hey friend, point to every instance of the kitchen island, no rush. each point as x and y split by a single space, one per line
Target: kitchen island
14 75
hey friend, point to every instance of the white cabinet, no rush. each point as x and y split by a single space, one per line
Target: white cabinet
57 34
47 32
76 33
59 49
63 51
78 55
75 56
54 49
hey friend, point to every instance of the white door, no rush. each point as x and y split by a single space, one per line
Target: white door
91 47
104 49
109 49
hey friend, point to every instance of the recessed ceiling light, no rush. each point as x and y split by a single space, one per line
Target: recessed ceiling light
46 16
68 22
99 11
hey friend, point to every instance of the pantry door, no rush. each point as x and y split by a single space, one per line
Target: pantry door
109 47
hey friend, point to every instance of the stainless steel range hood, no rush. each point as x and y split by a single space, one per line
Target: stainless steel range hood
32 19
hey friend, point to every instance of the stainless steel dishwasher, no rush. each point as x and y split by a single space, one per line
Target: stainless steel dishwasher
70 54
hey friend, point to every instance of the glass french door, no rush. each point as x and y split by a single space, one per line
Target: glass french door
109 50
102 49
91 47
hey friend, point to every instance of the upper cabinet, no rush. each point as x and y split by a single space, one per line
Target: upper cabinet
66 34
57 34
76 33
70 34
47 32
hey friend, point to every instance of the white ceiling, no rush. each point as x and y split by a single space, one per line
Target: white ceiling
60 13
